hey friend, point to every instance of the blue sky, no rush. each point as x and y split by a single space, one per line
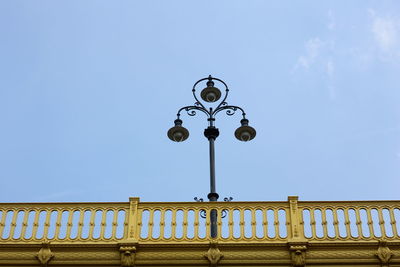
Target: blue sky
88 90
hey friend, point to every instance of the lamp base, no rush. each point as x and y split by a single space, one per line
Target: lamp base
213 196
211 132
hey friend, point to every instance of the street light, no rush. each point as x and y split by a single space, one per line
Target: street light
178 133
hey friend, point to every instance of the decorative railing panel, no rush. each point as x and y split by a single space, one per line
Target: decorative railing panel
68 222
237 221
165 222
356 220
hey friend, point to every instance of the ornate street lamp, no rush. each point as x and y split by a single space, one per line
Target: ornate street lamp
178 133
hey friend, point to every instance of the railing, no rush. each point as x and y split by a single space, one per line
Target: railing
66 222
189 221
356 220
237 221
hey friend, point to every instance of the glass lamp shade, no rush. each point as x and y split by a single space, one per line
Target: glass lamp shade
245 132
178 133
210 94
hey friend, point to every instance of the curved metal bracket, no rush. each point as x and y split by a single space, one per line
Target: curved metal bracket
210 112
230 110
191 111
210 78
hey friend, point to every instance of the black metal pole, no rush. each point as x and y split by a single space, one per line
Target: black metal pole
214 195
212 133
212 166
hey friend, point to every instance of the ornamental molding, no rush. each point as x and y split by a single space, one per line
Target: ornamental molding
45 254
213 254
128 254
298 253
384 253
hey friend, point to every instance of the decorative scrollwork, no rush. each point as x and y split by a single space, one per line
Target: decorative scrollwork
210 111
198 199
190 112
228 199
209 78
203 214
231 112
224 213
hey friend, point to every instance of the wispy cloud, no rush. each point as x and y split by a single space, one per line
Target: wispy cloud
377 39
330 70
331 20
319 56
386 33
313 47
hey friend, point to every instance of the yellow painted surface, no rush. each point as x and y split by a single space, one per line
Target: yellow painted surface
134 233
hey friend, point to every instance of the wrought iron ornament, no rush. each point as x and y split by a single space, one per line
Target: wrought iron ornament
211 106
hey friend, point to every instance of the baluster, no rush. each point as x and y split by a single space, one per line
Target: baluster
24 224
2 222
13 224
173 224
208 214
313 223
185 223
336 223
139 222
196 224
103 223
219 222
276 223
114 224
230 224
125 235
381 222
46 224
253 223
242 223
265 223
370 223
69 223
347 222
324 222
393 223
358 223
150 224
162 224
80 223
58 224
35 224
92 222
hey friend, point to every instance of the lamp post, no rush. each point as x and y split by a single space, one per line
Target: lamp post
211 107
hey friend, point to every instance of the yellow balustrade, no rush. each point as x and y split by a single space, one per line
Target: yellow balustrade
171 222
65 222
237 221
351 221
